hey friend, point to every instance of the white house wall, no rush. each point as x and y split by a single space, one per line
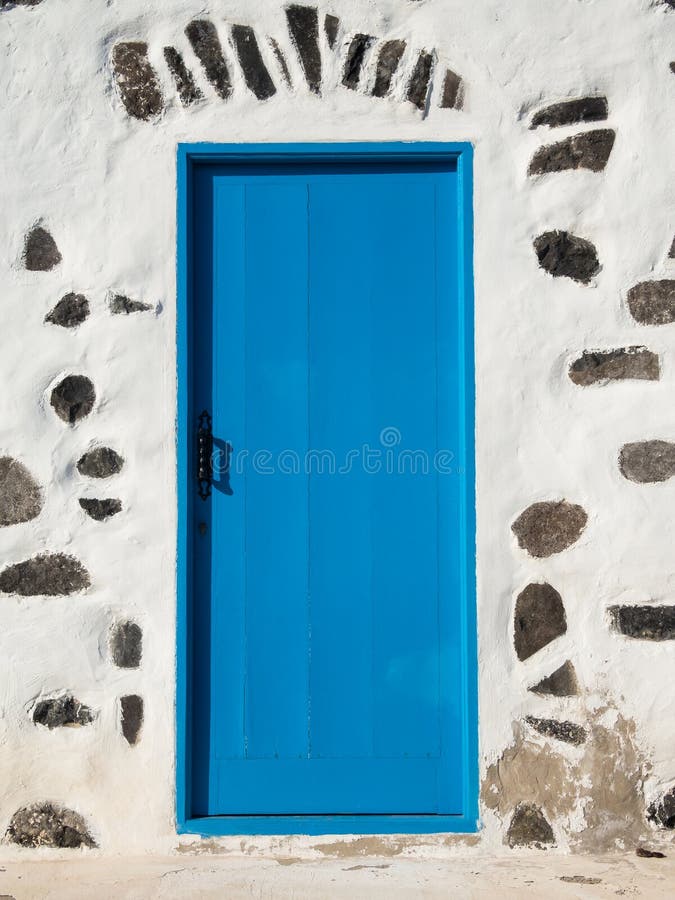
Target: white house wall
102 183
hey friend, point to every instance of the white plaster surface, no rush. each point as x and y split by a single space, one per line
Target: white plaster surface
104 185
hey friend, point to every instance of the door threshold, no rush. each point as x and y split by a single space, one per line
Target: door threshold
215 826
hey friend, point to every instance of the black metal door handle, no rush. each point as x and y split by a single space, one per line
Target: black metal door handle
204 454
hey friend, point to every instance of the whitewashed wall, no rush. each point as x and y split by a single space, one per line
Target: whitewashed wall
104 185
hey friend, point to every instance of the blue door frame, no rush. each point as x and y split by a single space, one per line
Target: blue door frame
189 156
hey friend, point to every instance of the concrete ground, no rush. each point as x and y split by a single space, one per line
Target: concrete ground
534 874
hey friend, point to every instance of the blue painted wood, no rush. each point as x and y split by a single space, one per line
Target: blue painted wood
334 638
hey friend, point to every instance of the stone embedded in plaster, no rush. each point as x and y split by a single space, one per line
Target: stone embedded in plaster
418 86
131 710
671 252
59 712
257 78
188 91
303 25
588 150
71 311
452 94
121 305
645 853
529 828
565 255
602 366
539 618
645 623
205 42
388 61
48 574
569 732
11 3
102 462
49 825
126 645
647 462
281 59
561 683
600 784
136 80
100 510
354 62
20 494
331 24
569 112
653 302
662 811
672 67
73 398
40 253
549 527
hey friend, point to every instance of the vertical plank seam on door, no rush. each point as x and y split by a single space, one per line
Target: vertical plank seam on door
309 476
439 706
245 480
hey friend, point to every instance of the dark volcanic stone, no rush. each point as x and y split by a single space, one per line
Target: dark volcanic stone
672 67
58 712
131 708
653 302
645 623
354 61
647 462
563 254
20 495
549 527
205 42
11 3
303 25
561 683
49 574
121 305
451 95
588 150
662 811
601 366
69 312
136 80
644 853
418 86
40 253
101 462
539 618
584 109
126 645
281 59
562 731
331 25
255 73
48 825
387 63
529 828
671 252
73 398
188 91
100 510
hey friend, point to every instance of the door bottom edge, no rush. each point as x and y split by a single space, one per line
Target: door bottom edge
223 826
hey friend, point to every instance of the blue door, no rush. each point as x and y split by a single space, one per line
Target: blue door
332 558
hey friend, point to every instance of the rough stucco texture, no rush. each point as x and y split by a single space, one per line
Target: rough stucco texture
101 183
